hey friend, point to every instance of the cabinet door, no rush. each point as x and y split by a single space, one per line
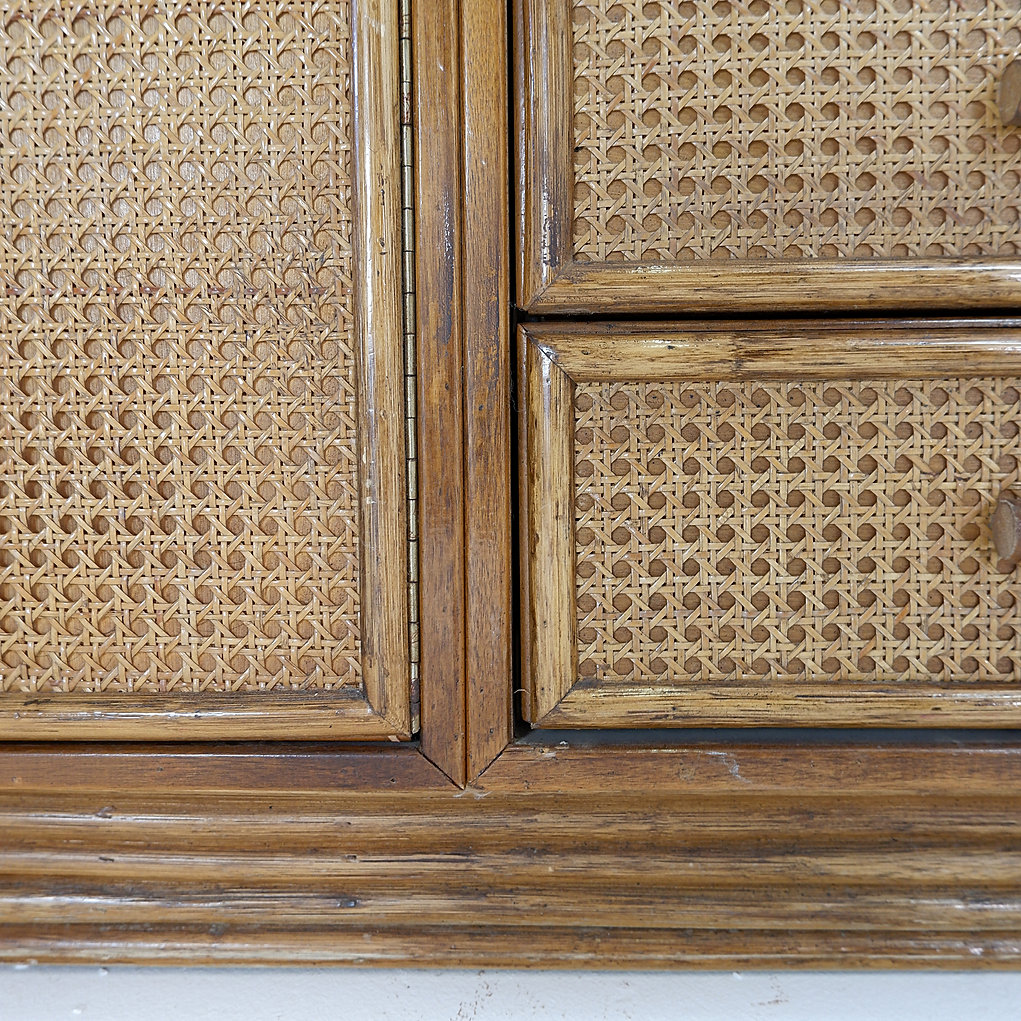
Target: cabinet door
769 524
715 154
202 465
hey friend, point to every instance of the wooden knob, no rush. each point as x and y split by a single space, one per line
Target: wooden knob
1006 525
1009 98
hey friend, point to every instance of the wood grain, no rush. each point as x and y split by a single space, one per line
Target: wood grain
486 312
544 131
546 946
874 767
777 350
344 716
549 631
818 285
235 773
439 228
905 703
735 853
380 331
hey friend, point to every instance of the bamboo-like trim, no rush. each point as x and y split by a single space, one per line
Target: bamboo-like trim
340 715
819 349
592 705
544 114
816 285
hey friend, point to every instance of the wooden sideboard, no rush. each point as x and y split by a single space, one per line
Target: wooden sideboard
396 572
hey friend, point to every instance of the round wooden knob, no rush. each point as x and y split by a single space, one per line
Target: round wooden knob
1009 97
1006 525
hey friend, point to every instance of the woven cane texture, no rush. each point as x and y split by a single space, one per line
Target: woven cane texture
721 129
178 470
787 532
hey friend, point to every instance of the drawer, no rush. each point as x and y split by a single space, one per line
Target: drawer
203 526
727 155
750 524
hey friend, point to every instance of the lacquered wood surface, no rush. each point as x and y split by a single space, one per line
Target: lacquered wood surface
487 381
377 162
438 285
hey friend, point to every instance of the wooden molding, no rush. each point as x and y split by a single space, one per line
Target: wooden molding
378 325
547 473
486 315
713 855
439 228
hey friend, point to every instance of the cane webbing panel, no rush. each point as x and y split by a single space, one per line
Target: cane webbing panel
178 465
786 532
718 129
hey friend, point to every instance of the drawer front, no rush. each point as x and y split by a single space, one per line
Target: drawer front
752 525
682 152
201 446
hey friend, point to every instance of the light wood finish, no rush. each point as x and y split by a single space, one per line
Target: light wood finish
800 169
906 640
221 549
539 946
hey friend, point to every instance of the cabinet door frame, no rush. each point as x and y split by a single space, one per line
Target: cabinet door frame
550 281
382 708
473 846
557 357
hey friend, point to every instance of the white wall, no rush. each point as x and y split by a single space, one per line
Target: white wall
302 994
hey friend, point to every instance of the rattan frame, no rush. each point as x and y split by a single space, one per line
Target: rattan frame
550 280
